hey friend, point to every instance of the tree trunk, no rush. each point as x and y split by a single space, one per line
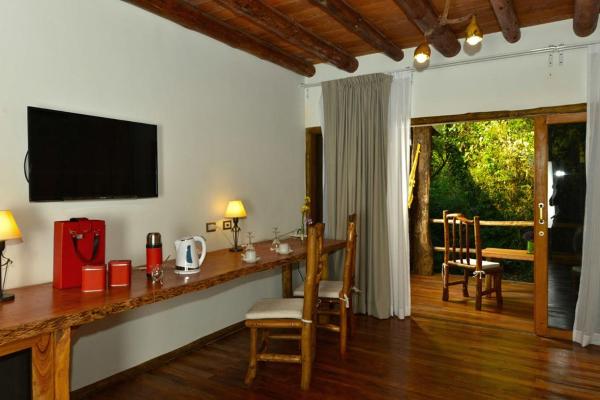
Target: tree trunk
421 257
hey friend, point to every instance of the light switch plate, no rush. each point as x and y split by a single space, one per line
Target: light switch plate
226 224
211 227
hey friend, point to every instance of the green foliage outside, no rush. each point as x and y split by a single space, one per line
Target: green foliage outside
485 169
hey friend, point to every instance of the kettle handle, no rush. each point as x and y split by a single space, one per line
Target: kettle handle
202 241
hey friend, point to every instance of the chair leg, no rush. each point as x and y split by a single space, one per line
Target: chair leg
343 326
351 318
306 350
488 285
251 374
264 340
466 284
498 287
445 272
478 295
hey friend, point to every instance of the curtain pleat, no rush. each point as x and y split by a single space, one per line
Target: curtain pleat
399 139
587 313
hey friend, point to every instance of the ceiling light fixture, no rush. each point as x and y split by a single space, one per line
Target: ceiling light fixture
473 32
422 53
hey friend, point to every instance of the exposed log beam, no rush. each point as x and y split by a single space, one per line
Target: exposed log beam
191 17
585 17
422 14
286 28
356 23
507 19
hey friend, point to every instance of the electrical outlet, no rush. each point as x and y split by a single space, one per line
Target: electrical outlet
226 224
211 227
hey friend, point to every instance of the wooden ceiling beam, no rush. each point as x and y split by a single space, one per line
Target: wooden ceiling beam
191 17
507 19
356 23
269 18
423 15
585 17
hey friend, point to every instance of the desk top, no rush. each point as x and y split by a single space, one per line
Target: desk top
507 254
41 308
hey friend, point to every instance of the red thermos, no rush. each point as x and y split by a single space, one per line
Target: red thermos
153 252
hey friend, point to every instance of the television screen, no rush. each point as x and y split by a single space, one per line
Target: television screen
77 157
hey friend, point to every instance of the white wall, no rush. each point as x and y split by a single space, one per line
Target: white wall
230 126
509 84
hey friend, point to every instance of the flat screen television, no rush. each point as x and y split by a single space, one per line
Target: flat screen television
81 157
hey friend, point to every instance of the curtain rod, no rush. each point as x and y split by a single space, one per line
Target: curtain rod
549 49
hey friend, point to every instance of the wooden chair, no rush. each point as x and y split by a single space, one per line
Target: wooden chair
458 227
289 313
335 297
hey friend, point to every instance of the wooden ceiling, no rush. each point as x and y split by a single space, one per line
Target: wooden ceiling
297 34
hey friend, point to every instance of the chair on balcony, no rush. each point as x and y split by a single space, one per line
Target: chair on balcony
458 253
289 313
335 297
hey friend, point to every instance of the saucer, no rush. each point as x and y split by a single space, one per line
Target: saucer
251 262
285 254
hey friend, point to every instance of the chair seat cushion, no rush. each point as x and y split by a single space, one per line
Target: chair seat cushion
276 308
327 289
486 265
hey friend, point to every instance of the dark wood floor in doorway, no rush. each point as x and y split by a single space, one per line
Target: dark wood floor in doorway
444 351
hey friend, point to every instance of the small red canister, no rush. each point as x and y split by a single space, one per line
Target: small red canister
119 273
93 278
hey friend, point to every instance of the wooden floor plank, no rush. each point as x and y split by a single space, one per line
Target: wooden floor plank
446 350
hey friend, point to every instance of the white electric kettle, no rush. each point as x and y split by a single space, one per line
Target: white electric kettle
188 261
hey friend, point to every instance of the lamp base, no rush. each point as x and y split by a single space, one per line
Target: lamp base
7 297
236 249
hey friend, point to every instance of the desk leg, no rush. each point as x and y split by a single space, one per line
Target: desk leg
62 358
286 280
42 358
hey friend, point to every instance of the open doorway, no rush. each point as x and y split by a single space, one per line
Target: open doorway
510 168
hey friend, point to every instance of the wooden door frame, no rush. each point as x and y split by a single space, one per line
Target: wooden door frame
541 242
316 205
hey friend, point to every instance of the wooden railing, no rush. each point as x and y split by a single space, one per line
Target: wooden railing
508 224
513 224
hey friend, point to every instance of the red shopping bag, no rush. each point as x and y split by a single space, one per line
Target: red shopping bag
77 242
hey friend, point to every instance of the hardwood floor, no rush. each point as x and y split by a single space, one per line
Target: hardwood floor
444 351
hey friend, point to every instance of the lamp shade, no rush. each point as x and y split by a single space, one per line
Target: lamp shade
235 209
422 53
8 226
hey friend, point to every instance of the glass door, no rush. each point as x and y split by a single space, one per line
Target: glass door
559 211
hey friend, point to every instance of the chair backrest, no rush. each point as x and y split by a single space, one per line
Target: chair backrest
349 257
462 237
314 270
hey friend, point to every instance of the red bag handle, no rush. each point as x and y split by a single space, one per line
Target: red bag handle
76 236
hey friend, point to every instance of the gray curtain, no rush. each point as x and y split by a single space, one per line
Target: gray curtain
355 113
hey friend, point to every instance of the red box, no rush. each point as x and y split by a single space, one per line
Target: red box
93 278
77 242
119 273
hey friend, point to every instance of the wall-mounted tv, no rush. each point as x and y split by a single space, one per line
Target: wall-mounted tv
81 157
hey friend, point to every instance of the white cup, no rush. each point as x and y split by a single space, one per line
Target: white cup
284 248
250 256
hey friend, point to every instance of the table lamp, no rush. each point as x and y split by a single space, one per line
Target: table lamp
235 210
8 231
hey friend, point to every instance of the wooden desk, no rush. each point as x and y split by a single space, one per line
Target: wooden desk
41 317
507 254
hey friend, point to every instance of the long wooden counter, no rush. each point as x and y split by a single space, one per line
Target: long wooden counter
41 317
41 308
